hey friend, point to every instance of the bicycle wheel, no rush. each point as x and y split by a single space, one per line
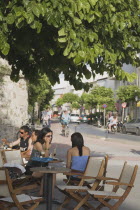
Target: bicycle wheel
67 131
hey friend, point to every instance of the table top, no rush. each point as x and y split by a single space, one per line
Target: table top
51 170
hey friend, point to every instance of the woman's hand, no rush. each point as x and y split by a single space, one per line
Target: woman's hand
47 144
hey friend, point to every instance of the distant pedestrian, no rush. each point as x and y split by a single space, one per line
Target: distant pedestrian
46 118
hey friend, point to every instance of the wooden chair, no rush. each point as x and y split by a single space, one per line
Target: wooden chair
11 197
87 182
13 156
95 168
121 188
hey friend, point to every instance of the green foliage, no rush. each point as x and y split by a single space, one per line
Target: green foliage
70 98
128 93
101 95
59 102
75 105
47 36
40 91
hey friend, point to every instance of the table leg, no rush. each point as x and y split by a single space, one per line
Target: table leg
47 183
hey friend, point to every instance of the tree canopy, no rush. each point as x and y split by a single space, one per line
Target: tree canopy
49 36
128 93
101 95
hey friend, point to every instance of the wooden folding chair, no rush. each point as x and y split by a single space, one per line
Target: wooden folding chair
87 182
13 156
95 168
121 188
10 197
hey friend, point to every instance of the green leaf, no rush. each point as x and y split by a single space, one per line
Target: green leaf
72 34
61 32
36 10
61 40
10 19
6 48
77 21
90 18
51 51
92 2
30 18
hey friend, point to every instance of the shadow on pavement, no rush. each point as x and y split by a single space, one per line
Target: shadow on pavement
135 151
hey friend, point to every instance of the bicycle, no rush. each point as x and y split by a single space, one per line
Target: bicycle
65 130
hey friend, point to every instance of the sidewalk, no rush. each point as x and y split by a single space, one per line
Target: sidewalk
118 153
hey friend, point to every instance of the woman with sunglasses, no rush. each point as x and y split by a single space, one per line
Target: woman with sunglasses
41 145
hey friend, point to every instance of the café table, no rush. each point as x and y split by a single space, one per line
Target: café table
48 172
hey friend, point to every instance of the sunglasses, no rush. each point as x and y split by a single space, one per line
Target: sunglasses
22 132
49 136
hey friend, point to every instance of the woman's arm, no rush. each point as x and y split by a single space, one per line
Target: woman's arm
46 147
30 146
69 157
38 146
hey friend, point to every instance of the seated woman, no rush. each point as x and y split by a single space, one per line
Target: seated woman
41 144
78 155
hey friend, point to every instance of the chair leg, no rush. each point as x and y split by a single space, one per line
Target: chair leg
83 202
66 201
34 206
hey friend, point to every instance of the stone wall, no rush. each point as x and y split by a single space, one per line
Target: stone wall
13 103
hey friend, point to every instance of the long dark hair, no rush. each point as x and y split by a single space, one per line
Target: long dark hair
77 141
42 134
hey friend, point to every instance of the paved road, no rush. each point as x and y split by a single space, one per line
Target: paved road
118 153
101 133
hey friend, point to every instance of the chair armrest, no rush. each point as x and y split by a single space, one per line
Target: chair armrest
120 183
27 187
102 178
72 173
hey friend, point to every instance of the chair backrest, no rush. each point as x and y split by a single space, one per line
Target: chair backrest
128 175
13 156
1 159
4 190
95 167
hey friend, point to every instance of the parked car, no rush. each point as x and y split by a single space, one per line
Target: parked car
75 118
132 127
84 118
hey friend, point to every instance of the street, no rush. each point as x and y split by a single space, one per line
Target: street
116 146
102 133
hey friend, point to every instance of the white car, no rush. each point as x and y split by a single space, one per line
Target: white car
75 118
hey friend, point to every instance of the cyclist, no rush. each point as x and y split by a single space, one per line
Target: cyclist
65 119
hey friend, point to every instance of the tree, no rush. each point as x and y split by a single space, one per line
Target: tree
48 36
70 98
59 102
128 93
40 91
101 95
75 105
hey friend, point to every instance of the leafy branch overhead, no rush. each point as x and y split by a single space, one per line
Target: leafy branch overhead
49 36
